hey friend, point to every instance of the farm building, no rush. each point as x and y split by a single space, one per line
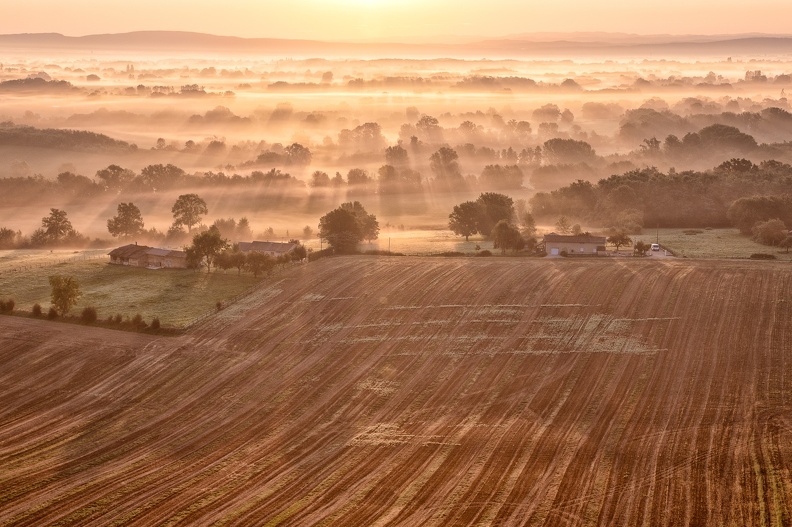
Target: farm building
271 248
581 244
149 257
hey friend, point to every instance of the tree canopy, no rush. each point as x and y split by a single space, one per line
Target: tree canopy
205 249
127 223
188 210
65 292
345 227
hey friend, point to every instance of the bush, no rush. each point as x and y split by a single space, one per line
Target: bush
451 253
118 318
485 252
7 306
36 310
89 315
762 256
52 314
155 323
219 305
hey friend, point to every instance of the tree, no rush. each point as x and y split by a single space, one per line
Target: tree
341 229
641 248
205 248
56 226
493 207
160 177
618 239
297 154
256 263
230 259
368 222
445 165
563 226
497 177
770 232
188 210
528 224
243 231
464 219
65 292
307 232
506 236
396 156
114 178
786 243
127 223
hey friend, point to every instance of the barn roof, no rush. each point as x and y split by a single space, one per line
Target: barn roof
274 247
580 238
128 251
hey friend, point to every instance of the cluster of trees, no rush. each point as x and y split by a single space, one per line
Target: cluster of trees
495 216
676 199
348 225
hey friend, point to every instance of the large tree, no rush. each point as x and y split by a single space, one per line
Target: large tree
493 208
65 292
56 227
618 239
368 222
506 236
188 210
205 248
464 219
127 223
342 230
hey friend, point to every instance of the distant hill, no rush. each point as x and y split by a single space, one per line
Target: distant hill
516 46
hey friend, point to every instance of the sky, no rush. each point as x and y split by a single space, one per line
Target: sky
348 20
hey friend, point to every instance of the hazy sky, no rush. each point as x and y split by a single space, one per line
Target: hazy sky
383 19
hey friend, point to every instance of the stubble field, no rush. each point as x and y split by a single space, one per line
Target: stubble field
413 391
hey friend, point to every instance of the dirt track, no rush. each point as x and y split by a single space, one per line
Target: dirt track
400 391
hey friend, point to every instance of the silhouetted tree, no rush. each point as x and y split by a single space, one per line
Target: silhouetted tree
188 210
464 219
128 222
205 248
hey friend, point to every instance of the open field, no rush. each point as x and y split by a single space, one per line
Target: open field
710 243
413 391
176 297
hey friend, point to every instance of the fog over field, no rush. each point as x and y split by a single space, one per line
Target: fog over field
239 114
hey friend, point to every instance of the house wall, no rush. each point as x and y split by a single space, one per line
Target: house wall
572 248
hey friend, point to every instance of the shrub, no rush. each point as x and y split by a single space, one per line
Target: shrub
137 321
762 256
219 305
36 310
6 306
118 318
155 323
485 252
52 314
451 253
89 315
377 252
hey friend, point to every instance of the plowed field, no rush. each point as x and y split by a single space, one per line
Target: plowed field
407 391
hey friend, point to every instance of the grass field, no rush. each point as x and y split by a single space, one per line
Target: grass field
176 297
709 243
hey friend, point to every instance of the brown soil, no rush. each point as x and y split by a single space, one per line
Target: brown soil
407 391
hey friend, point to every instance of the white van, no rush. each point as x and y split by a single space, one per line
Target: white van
655 246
